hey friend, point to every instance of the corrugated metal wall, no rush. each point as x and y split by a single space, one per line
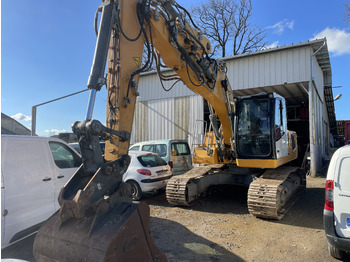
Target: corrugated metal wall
161 119
140 128
270 69
150 88
168 118
181 117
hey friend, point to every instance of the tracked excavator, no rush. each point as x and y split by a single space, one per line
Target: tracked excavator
248 142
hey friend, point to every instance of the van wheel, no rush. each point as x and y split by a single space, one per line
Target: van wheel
136 192
335 252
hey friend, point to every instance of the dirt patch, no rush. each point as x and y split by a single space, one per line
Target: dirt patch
219 228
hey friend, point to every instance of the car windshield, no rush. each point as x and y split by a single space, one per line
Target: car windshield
151 160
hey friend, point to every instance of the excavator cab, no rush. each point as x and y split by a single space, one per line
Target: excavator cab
261 132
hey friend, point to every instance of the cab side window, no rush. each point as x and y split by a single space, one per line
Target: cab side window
280 119
63 156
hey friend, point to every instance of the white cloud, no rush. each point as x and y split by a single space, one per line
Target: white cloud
273 45
280 26
52 132
290 24
338 40
21 116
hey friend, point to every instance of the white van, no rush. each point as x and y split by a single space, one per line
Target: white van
33 171
336 214
175 152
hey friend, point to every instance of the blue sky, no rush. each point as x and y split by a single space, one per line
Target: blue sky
47 49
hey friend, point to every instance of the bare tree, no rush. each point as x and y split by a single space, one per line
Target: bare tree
347 11
228 21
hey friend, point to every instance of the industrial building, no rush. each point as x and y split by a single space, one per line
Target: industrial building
10 126
301 73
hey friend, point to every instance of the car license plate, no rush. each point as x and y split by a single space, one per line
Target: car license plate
161 173
348 221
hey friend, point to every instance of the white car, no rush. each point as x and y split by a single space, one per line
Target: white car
336 214
147 172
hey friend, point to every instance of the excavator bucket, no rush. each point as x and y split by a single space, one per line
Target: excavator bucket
123 235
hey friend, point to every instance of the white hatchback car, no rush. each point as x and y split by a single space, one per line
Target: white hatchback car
147 172
336 214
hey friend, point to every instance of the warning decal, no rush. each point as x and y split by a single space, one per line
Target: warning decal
137 61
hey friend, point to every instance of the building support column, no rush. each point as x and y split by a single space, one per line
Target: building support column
313 149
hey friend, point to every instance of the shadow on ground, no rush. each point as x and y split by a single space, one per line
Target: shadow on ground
307 211
180 244
175 240
218 199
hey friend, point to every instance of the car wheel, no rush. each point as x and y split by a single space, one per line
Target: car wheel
335 252
136 192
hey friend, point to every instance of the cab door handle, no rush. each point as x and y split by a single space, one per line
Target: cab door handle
60 176
46 179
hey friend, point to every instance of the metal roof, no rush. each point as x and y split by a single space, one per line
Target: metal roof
319 47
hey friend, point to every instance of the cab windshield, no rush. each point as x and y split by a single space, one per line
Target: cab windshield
254 132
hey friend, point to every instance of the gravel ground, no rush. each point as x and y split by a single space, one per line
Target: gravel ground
219 228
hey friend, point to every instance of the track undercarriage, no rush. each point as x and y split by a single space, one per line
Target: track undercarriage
269 196
273 193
